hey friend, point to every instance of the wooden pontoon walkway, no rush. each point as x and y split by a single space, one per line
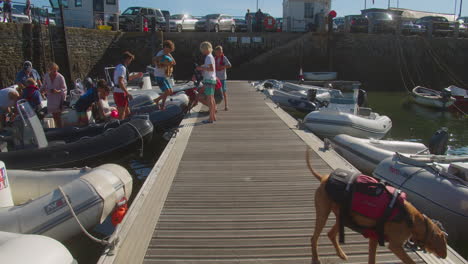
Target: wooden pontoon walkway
240 193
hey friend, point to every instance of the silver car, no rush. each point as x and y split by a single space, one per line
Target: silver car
181 22
216 23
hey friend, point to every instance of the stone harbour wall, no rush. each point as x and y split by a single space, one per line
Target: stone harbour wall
380 62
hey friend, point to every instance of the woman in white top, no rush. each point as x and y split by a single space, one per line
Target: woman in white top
209 78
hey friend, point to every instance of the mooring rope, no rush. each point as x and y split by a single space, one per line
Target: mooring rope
100 241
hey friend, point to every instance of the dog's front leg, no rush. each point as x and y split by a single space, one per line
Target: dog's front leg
398 250
372 250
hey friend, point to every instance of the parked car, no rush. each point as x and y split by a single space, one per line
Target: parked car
132 17
441 25
38 15
216 23
181 22
241 24
358 23
411 28
382 22
340 24
462 26
17 16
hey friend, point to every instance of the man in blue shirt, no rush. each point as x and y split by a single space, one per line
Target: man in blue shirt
26 73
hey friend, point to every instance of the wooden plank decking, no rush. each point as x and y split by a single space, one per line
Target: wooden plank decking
243 194
238 191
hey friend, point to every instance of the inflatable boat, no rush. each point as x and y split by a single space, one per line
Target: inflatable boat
28 147
26 249
366 154
441 192
290 100
32 202
432 98
344 116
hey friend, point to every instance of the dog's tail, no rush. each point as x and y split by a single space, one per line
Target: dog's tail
317 175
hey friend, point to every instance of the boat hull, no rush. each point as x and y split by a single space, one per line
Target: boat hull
330 124
439 197
430 98
93 197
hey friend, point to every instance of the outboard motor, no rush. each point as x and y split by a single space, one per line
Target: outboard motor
446 95
362 98
27 129
268 85
312 95
198 75
439 141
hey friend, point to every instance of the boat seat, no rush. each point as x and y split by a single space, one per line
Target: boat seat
364 111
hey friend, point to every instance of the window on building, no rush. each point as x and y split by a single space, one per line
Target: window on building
110 2
308 10
78 3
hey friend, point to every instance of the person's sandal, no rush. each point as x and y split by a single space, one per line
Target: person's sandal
207 122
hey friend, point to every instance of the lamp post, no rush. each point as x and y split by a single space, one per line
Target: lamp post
365 4
257 6
461 6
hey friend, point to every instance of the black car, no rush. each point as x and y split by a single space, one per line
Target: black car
357 23
382 22
440 25
241 25
133 17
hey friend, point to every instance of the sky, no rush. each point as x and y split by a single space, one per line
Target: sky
274 7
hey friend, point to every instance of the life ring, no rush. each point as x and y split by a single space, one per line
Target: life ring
269 23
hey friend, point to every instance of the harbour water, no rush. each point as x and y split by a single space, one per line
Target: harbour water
413 122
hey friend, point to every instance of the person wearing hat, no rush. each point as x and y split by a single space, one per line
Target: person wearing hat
26 73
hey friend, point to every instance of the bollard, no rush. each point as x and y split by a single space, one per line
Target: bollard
456 30
370 26
168 24
430 29
398 26
116 22
347 26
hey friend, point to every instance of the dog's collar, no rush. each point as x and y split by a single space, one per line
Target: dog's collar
422 244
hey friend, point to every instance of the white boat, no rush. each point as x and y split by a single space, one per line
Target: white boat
344 116
441 192
320 76
366 154
32 203
26 249
432 98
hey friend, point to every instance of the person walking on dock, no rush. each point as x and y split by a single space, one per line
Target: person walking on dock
248 20
7 11
222 63
121 77
56 88
259 20
164 67
209 78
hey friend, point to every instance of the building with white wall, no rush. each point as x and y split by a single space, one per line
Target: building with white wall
85 13
300 15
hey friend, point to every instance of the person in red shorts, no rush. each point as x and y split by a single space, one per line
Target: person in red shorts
121 95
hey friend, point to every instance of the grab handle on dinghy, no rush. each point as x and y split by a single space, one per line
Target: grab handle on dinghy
141 138
67 201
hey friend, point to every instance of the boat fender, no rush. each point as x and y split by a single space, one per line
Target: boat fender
119 212
438 142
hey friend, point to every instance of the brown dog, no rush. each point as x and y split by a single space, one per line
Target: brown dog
423 232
